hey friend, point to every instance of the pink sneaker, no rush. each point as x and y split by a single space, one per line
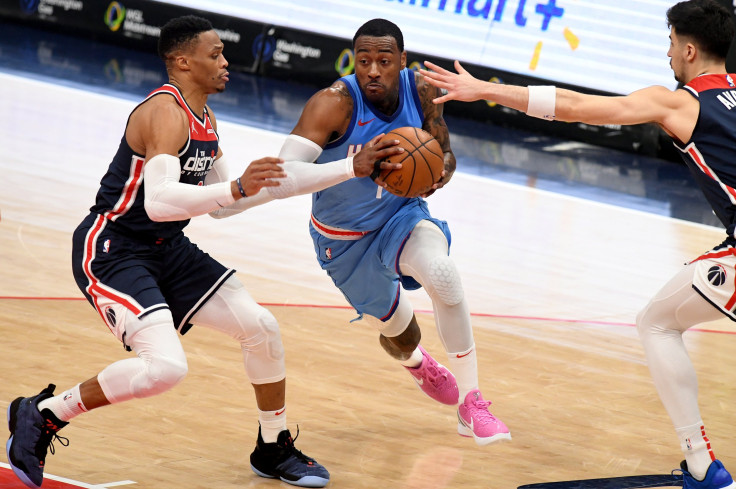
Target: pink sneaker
435 380
474 419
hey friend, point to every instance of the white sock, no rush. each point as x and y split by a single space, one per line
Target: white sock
66 405
414 360
272 423
696 447
464 366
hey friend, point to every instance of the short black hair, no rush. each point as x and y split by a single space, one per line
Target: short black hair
708 23
381 28
179 33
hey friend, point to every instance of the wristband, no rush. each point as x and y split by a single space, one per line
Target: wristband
542 100
240 187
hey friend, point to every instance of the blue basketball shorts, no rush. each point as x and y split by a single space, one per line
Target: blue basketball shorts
366 270
112 268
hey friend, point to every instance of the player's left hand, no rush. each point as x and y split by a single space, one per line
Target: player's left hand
372 157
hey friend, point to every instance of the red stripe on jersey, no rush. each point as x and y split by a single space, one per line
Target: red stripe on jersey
130 189
711 82
695 155
94 289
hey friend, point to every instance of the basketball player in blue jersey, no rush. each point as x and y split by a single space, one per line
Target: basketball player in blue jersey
371 242
149 283
702 124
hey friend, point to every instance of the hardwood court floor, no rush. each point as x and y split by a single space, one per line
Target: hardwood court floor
553 283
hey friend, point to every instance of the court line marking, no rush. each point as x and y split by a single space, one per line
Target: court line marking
422 311
78 483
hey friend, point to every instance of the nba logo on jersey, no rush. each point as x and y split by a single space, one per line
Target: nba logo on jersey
328 253
730 81
106 246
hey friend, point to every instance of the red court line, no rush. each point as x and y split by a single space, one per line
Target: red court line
474 314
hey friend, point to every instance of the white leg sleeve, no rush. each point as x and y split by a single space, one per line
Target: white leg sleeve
661 323
160 363
425 258
234 312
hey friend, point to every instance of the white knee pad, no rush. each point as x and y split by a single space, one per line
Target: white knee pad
425 259
160 364
233 311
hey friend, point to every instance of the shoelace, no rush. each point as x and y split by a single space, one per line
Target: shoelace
47 440
433 373
484 415
294 451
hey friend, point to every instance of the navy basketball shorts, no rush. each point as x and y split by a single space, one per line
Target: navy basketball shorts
113 269
366 270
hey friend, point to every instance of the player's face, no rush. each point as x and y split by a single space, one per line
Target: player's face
208 64
678 53
377 66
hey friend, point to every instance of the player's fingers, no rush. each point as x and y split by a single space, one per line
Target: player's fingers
386 143
435 68
459 68
268 159
375 140
388 152
442 99
387 165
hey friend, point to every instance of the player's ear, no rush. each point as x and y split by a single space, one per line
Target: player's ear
181 62
403 59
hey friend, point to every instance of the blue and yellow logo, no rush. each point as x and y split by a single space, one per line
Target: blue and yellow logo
114 16
345 62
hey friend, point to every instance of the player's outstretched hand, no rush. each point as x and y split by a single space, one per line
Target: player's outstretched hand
264 172
460 86
371 158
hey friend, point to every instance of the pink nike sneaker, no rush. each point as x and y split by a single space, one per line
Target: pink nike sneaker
435 380
474 419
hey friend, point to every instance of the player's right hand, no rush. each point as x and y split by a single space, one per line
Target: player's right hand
371 158
264 172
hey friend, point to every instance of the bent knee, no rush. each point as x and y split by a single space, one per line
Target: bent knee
445 280
161 374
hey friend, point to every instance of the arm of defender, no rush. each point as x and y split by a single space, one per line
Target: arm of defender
676 112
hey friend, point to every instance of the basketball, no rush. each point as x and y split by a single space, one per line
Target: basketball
422 163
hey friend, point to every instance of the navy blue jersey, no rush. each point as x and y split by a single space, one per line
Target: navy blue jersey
359 204
711 151
121 194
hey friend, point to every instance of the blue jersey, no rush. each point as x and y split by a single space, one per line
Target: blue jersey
710 152
359 204
121 194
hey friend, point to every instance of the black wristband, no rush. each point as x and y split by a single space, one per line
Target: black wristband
376 169
240 187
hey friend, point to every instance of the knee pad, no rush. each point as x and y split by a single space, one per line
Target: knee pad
445 280
160 365
233 311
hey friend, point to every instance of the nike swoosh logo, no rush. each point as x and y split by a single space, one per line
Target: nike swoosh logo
280 412
419 381
361 123
464 354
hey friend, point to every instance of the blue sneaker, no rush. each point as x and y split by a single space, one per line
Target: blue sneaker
717 477
283 461
31 434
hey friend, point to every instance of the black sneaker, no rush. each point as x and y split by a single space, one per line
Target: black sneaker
31 434
282 460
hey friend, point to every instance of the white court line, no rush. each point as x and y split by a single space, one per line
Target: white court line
77 483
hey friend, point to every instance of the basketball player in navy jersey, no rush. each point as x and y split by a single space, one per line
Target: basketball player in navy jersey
702 124
371 242
149 283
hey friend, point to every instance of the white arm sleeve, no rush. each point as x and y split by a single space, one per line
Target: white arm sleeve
301 178
167 199
297 148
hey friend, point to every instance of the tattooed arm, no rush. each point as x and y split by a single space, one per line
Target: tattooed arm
434 124
326 115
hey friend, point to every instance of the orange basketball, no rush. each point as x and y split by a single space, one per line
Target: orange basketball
422 163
